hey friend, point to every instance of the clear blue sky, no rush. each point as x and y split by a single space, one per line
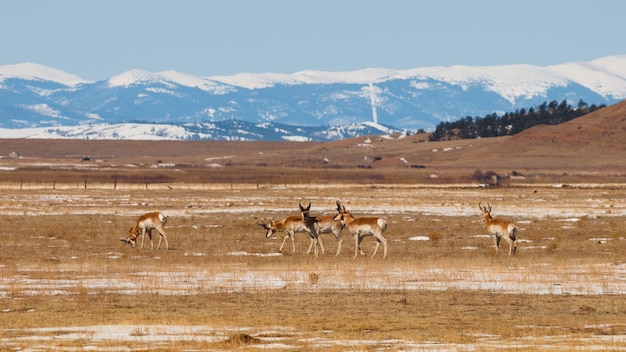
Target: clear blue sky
96 39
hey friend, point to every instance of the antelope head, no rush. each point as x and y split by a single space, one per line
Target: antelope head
132 237
269 228
340 208
485 210
306 217
304 210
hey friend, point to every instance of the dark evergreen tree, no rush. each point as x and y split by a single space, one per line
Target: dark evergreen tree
492 125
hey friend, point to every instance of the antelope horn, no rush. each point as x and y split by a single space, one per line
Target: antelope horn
303 208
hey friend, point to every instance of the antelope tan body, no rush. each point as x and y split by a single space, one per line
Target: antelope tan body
290 225
361 227
328 224
145 224
500 228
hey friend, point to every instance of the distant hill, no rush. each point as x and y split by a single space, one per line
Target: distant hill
589 148
604 129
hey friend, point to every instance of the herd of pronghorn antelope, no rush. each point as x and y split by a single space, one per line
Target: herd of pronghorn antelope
359 227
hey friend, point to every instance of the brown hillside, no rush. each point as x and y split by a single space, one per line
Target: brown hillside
602 129
589 147
594 142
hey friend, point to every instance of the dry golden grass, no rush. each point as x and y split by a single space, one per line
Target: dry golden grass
221 286
68 283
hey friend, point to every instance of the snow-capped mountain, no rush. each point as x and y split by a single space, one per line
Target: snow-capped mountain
307 105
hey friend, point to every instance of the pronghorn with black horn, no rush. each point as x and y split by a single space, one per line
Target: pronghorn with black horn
290 225
147 223
328 224
311 223
500 228
361 227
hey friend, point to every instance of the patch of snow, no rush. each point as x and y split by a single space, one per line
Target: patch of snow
419 238
296 138
132 131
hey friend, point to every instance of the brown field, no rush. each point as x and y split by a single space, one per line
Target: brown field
67 283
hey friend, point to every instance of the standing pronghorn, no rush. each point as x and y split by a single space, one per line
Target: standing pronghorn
310 222
328 224
500 227
292 224
324 224
361 227
147 223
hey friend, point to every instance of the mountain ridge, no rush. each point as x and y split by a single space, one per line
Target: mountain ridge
33 96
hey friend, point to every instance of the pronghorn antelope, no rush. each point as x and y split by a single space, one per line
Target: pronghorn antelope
290 225
147 223
500 227
311 223
361 227
328 224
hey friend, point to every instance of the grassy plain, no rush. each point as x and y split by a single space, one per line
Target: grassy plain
67 283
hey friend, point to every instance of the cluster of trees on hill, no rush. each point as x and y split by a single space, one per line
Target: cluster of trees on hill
511 123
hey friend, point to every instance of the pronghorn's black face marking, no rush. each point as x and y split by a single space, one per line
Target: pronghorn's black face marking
303 210
306 217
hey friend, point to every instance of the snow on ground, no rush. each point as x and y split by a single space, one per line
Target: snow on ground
597 279
538 278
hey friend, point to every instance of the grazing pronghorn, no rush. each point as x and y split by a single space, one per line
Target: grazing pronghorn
147 223
361 227
290 225
499 228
